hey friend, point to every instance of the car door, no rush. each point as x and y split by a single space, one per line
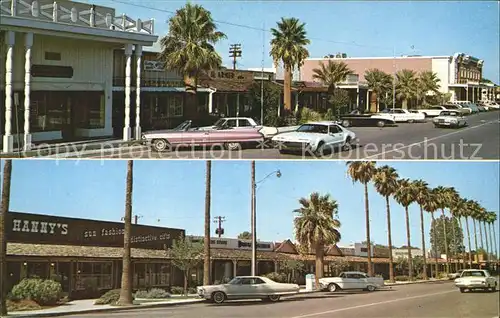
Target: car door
260 288
219 136
246 287
244 123
350 281
335 135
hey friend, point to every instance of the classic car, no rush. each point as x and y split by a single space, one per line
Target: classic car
450 119
351 280
244 123
403 115
231 139
492 105
472 108
471 279
317 137
432 111
247 287
358 118
455 275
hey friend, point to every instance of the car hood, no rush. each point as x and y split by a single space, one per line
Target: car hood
298 136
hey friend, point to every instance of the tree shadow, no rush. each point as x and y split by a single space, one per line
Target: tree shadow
234 303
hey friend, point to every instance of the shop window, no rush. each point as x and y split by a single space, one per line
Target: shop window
49 111
37 270
53 56
93 275
175 106
88 109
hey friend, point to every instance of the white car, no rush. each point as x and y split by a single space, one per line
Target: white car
432 111
318 137
403 115
491 105
476 279
247 287
351 280
450 119
455 275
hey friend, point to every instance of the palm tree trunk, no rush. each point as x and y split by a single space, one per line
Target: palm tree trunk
487 243
475 234
463 252
320 250
378 103
410 260
454 250
287 89
445 234
368 242
206 242
126 286
468 239
423 242
435 245
7 173
481 235
495 240
389 240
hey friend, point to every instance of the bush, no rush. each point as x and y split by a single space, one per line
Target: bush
177 290
401 278
277 277
43 292
154 293
109 298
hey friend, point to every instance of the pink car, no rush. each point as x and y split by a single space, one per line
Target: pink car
231 139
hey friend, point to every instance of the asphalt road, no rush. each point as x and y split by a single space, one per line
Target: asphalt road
415 141
440 299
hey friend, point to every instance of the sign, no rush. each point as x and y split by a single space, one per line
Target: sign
38 70
218 242
155 66
229 74
47 229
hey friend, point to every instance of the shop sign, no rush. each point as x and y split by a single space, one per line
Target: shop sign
155 66
229 75
47 229
218 242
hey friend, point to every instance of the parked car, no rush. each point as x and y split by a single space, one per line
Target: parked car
403 115
455 275
245 123
318 137
231 139
471 279
460 108
358 118
492 105
351 280
247 287
450 119
467 105
432 111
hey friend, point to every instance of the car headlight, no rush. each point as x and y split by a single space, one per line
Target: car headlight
143 136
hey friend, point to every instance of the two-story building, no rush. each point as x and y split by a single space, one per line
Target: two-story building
56 66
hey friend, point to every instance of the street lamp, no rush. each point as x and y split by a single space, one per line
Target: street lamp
253 216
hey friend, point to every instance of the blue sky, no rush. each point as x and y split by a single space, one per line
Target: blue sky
172 193
370 28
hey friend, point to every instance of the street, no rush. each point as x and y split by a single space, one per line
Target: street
415 141
439 299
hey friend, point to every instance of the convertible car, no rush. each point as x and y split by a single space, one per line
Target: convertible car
247 287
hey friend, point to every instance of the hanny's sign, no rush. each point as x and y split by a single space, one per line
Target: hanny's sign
48 229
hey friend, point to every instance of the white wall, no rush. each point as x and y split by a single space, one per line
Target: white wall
441 66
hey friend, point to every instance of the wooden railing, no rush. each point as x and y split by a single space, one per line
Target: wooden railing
77 13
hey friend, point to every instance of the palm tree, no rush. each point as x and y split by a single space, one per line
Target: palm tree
406 195
363 172
316 226
428 81
379 83
430 204
405 86
421 196
126 286
385 180
443 196
458 210
484 217
206 241
492 217
189 47
452 196
4 209
288 47
330 75
467 214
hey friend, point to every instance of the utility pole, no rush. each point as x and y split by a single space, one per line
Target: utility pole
235 52
219 220
253 222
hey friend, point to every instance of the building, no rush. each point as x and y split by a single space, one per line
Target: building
57 58
459 74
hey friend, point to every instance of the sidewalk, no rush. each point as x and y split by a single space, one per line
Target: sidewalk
430 280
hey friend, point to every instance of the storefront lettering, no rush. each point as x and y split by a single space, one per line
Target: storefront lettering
39 227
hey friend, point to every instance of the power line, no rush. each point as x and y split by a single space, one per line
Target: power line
352 43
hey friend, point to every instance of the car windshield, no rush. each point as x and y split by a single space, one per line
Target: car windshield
473 274
312 128
219 122
183 126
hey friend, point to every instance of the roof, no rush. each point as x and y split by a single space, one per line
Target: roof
324 122
381 57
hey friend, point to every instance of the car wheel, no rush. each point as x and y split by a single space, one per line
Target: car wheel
380 123
274 298
332 288
462 290
411 121
346 123
370 288
160 145
232 146
347 145
425 115
218 297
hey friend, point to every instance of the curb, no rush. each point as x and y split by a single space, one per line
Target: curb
107 309
416 282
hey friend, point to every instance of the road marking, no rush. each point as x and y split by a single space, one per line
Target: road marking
434 138
372 304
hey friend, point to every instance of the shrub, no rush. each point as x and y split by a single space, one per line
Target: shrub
43 292
177 290
192 290
109 298
401 278
277 277
154 293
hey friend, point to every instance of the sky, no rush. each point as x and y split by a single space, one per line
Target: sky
171 193
358 28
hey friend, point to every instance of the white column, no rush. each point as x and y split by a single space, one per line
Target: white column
28 42
128 65
210 100
138 55
467 93
357 97
367 108
237 104
8 139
